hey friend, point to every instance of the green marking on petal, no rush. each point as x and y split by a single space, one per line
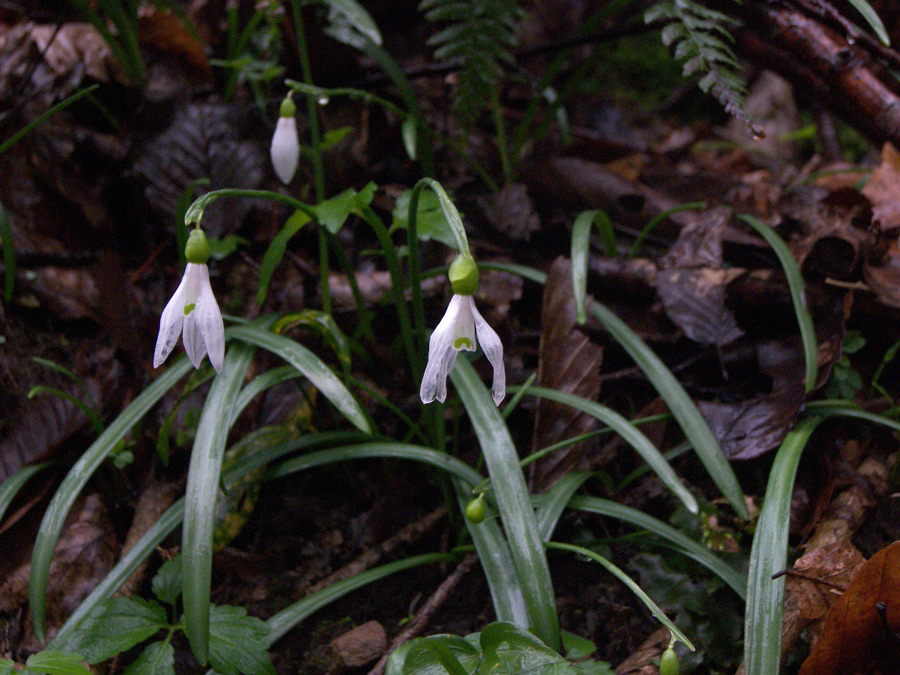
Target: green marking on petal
462 343
189 308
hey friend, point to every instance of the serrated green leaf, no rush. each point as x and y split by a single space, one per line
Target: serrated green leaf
333 212
157 659
237 642
57 663
439 655
576 647
430 220
7 667
118 625
358 17
510 650
166 584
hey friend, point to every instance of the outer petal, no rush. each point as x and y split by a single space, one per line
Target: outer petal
285 150
493 349
170 324
441 355
209 321
196 276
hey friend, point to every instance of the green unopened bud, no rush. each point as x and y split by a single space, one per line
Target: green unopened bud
197 249
475 510
288 109
463 275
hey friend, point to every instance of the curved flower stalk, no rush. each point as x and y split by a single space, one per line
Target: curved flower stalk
285 150
457 331
193 312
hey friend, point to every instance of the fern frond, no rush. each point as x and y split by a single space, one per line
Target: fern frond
701 38
481 34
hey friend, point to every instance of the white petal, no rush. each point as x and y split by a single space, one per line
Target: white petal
493 349
196 276
441 354
170 324
464 325
209 322
285 150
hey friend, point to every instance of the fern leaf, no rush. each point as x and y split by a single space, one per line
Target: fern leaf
700 37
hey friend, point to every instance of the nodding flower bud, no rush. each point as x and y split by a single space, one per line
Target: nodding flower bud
197 249
463 275
285 148
288 109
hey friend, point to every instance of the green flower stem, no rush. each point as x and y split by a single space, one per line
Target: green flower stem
316 150
195 211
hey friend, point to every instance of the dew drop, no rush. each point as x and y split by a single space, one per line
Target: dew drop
323 100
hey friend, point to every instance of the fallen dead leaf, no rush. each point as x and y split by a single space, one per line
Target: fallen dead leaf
883 187
569 362
854 639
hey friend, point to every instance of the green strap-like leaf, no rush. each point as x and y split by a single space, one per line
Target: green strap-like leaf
11 486
798 296
312 367
630 434
202 491
511 494
75 481
765 596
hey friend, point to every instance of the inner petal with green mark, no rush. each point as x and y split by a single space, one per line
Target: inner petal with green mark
462 343
189 308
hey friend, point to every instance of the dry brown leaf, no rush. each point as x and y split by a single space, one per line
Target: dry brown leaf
883 188
854 640
168 34
569 362
826 572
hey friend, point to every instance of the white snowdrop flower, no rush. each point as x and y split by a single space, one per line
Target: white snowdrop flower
285 148
193 312
458 331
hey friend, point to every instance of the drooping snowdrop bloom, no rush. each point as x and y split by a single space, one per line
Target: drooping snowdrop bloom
193 311
458 331
285 148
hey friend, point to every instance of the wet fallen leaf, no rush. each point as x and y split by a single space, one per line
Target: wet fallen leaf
569 362
854 640
202 143
883 187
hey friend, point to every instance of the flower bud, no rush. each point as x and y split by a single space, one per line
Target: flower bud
287 109
197 249
463 275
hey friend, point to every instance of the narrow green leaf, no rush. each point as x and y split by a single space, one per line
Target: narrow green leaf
76 479
201 494
872 19
554 501
632 586
289 617
44 116
511 493
630 434
681 542
408 131
11 486
358 17
798 296
680 404
56 663
275 252
238 642
117 626
581 240
844 409
171 519
768 555
657 219
311 366
157 658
